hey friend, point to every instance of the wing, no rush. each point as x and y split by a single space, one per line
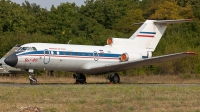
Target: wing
94 68
17 71
13 72
5 69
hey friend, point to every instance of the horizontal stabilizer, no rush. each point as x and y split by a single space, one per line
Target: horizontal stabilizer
172 21
166 21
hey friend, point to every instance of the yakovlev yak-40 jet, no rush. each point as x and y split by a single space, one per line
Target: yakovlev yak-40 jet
119 54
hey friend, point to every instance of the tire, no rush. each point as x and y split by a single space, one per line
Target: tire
81 79
33 82
115 78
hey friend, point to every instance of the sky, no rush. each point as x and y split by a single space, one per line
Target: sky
48 3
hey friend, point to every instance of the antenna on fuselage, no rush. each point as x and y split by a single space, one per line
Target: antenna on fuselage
69 41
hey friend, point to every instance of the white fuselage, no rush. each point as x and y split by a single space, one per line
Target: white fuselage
72 58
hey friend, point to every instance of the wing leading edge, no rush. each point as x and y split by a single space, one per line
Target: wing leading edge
94 68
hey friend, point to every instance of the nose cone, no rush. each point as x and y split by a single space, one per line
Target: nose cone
11 60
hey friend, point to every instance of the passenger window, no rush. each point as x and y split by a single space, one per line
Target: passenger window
46 52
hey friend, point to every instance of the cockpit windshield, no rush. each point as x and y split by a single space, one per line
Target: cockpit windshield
27 49
24 48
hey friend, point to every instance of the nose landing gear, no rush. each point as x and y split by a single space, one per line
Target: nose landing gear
33 80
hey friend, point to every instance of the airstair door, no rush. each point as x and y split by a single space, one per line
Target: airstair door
46 56
96 56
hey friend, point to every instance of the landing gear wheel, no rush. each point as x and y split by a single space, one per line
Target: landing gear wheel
80 78
33 81
114 78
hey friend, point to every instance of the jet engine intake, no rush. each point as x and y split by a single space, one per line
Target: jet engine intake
109 41
130 56
124 57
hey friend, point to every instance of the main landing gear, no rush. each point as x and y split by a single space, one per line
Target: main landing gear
113 78
80 78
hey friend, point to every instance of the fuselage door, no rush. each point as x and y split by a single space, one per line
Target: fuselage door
46 56
96 56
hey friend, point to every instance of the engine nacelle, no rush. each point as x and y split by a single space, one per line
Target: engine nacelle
121 42
130 56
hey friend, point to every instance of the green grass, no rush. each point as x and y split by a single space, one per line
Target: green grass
101 98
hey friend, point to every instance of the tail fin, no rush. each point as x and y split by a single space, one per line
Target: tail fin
10 52
150 33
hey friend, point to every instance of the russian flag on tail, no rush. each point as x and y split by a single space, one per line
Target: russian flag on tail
146 34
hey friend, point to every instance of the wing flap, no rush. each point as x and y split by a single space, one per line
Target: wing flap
94 68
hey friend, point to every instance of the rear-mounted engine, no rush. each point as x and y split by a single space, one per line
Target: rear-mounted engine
130 56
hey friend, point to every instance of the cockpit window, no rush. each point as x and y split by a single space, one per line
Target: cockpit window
34 48
19 48
27 49
24 48
31 49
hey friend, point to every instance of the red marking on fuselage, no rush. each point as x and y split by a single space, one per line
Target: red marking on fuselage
150 36
30 60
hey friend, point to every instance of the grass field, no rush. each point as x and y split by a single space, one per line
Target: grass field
100 97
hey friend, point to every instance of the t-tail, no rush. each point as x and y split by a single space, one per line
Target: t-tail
147 36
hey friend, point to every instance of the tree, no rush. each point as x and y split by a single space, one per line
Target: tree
167 10
125 24
64 21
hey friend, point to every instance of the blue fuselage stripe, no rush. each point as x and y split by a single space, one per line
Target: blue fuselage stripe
148 32
71 54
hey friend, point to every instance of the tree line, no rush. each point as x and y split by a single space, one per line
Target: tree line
96 20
